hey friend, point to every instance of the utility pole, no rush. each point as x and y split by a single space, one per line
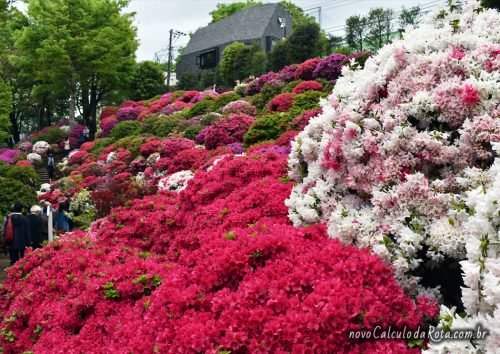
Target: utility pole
169 62
177 34
319 13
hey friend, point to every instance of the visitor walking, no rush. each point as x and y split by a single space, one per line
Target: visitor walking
67 146
86 134
50 166
16 233
36 226
62 222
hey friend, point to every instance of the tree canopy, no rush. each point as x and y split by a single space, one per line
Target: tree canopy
148 80
83 49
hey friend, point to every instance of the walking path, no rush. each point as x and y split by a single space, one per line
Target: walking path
4 263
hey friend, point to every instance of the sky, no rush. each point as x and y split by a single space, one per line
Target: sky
154 18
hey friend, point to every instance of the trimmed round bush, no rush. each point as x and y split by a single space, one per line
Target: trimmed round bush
25 175
14 191
127 128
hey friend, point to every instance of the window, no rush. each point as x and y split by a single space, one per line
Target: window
208 59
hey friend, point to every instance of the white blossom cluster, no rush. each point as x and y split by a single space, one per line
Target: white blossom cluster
387 165
175 182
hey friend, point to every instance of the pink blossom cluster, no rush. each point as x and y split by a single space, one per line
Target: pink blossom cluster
240 107
281 103
307 86
227 130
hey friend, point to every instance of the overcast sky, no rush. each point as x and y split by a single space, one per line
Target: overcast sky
154 18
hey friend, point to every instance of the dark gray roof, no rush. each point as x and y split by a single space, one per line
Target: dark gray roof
247 24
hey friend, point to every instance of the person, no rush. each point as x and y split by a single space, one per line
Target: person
22 234
51 165
86 134
36 225
62 222
67 146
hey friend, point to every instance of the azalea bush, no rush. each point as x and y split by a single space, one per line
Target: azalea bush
208 269
227 130
401 144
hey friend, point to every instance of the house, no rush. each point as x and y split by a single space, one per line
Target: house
265 24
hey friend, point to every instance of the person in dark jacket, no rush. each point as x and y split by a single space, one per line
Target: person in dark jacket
22 234
36 226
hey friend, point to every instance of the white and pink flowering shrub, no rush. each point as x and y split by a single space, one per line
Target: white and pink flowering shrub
176 182
41 147
387 163
33 157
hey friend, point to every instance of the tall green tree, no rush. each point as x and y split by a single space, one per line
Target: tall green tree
278 57
379 23
83 49
148 81
410 16
305 43
356 30
5 109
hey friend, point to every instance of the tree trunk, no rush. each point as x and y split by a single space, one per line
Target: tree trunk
94 101
72 101
14 128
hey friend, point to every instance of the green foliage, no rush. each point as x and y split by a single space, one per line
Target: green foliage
192 131
126 128
223 10
148 80
100 145
306 101
240 61
299 17
356 30
72 48
291 85
4 168
5 108
491 4
165 126
204 106
26 175
132 143
268 127
305 43
13 191
259 101
278 58
148 124
270 90
188 81
225 99
208 79
379 27
52 136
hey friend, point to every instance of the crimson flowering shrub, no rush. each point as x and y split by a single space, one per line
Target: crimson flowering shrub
129 113
175 107
150 146
330 67
227 130
306 69
107 124
171 147
216 267
281 103
299 122
310 85
24 163
77 157
108 111
188 97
